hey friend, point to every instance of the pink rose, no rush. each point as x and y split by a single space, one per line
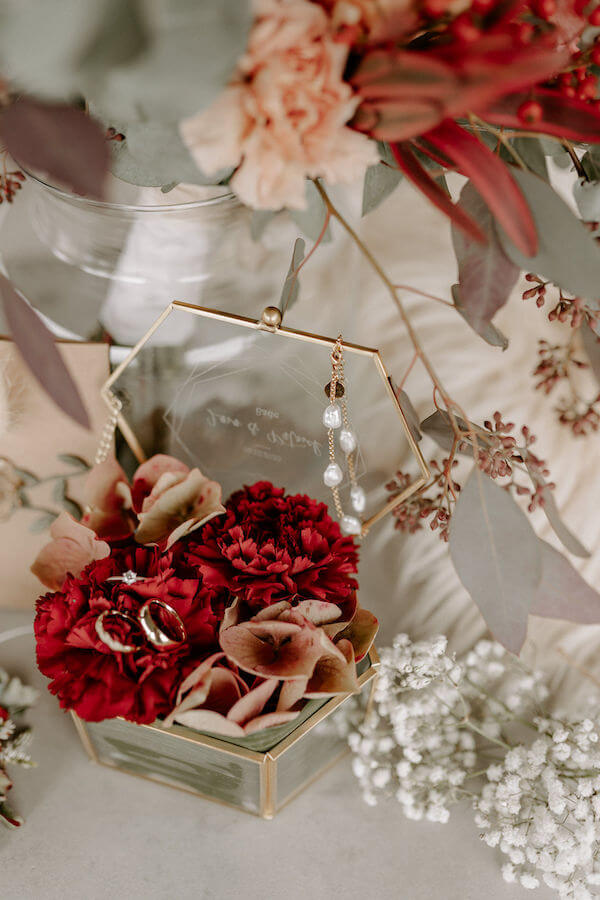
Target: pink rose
72 548
108 501
284 118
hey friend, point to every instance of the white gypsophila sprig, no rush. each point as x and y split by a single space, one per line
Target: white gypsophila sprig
413 745
541 806
439 726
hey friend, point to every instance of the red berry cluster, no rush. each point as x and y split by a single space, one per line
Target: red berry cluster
10 183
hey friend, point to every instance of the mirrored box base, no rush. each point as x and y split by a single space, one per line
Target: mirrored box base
260 782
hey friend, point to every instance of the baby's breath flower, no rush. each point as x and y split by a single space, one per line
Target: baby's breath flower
428 741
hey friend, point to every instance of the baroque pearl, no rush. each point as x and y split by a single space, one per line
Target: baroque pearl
347 440
350 525
332 417
358 498
332 476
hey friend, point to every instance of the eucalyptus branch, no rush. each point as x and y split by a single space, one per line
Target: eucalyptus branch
452 407
574 158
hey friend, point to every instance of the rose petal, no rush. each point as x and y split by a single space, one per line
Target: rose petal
272 612
192 525
225 690
331 676
195 698
106 487
319 612
274 649
253 703
291 692
149 473
360 632
231 615
73 547
166 481
207 720
196 676
179 509
269 720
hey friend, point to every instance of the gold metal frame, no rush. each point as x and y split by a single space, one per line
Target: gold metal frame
266 761
259 325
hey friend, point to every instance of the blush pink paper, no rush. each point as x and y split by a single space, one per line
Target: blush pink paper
34 433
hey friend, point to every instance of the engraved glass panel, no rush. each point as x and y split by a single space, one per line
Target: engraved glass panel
244 404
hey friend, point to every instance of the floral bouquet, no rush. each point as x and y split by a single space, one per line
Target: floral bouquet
474 104
167 605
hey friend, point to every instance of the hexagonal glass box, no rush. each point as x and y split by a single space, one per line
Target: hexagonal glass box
258 775
243 401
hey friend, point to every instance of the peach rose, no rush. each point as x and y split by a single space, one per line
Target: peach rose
284 118
178 503
108 501
72 548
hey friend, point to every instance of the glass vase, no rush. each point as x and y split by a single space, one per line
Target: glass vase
106 270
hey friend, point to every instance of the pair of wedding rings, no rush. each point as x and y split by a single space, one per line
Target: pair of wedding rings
145 620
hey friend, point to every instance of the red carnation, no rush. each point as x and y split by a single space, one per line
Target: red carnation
270 546
99 683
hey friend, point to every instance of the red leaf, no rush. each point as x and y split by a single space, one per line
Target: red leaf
493 180
562 116
413 170
395 120
59 141
39 350
403 74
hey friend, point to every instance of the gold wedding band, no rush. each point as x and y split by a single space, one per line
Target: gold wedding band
111 642
154 633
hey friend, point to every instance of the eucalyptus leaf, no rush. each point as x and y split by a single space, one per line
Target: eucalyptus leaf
137 59
591 163
154 155
311 220
568 255
410 413
121 36
566 537
73 508
58 141
381 180
591 345
61 497
42 523
75 462
490 333
193 49
26 477
291 285
497 557
438 427
42 44
531 152
563 593
59 490
486 276
564 534
40 353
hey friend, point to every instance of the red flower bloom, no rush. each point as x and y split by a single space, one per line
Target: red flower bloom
271 546
517 65
98 682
